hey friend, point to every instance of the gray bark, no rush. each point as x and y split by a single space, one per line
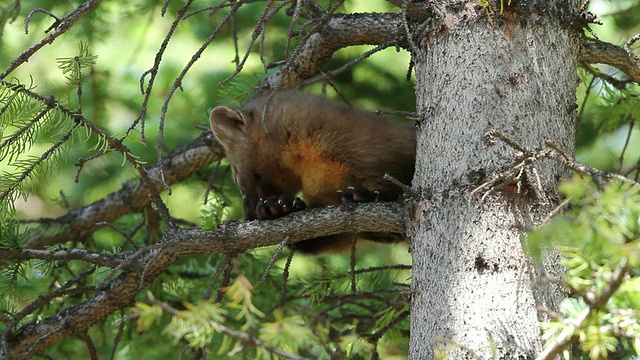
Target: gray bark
474 289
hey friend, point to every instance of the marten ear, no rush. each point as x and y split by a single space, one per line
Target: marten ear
227 122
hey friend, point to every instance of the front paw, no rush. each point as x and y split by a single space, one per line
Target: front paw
358 195
278 206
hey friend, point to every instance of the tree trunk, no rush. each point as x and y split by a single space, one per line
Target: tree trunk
474 289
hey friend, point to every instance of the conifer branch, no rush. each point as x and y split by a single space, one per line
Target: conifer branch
112 142
79 224
61 26
146 264
343 30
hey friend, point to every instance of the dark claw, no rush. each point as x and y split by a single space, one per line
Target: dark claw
357 195
278 206
298 204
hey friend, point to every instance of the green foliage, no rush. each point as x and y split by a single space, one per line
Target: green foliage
55 154
602 223
197 324
11 236
606 109
71 66
599 238
33 120
234 92
291 334
214 213
304 323
615 107
13 239
19 110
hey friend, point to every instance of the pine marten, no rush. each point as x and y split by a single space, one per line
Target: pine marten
314 146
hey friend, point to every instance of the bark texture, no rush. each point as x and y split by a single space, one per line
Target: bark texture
474 289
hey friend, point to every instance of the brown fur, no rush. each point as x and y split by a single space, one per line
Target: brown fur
313 146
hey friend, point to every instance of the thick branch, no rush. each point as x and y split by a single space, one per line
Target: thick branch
599 52
341 31
80 223
344 30
151 261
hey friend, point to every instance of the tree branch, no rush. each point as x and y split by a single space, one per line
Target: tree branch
344 30
61 27
594 51
80 223
341 31
233 237
88 256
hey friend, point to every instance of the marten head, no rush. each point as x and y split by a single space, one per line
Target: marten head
232 128
253 154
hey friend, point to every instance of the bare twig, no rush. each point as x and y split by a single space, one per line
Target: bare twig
626 144
223 265
37 10
336 32
273 259
631 41
258 29
154 71
68 21
349 64
600 177
352 267
285 275
553 152
177 83
78 224
405 188
88 256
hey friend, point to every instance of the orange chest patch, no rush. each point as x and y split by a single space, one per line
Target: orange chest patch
317 171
